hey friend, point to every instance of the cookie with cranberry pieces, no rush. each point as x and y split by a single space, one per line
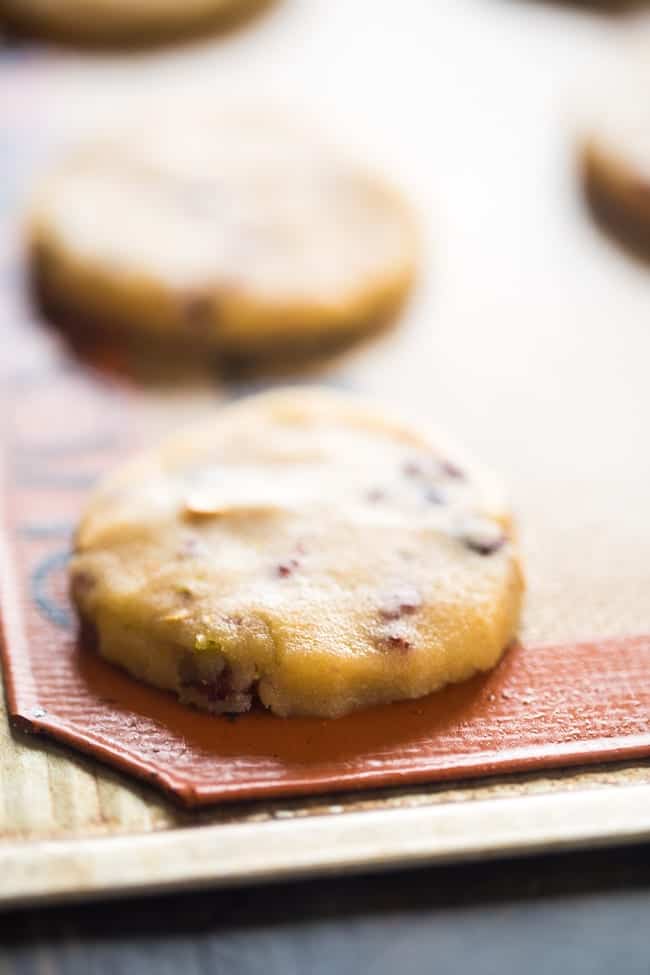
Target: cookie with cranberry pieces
305 550
238 232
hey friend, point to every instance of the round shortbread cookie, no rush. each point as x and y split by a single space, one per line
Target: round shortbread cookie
122 21
243 232
615 155
303 549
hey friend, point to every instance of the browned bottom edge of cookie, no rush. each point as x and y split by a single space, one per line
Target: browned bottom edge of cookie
21 27
114 344
618 213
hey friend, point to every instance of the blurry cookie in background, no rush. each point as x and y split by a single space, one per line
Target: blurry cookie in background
614 154
238 232
605 7
109 22
302 549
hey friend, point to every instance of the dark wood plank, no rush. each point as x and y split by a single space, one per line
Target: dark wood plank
584 913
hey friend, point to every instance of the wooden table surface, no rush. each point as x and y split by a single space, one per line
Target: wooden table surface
584 913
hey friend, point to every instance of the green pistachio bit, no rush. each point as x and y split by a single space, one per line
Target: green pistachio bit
204 642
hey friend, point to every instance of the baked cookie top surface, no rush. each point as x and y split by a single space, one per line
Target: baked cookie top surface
234 226
305 548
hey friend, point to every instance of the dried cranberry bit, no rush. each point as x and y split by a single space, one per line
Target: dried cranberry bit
190 547
374 495
404 602
412 469
221 688
451 470
396 642
426 471
484 546
285 569
80 585
433 496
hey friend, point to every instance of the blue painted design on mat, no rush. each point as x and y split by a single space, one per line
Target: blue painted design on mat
46 529
54 479
61 448
49 608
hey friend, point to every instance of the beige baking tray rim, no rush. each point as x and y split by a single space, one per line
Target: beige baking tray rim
218 856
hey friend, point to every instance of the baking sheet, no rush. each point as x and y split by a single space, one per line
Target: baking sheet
528 337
